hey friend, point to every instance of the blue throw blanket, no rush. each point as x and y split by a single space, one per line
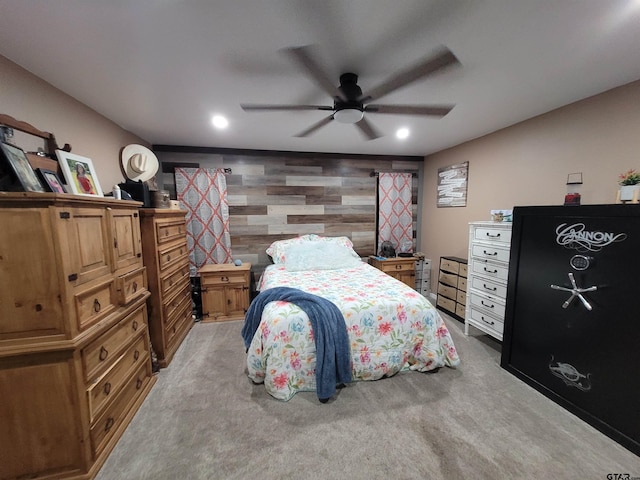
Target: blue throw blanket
333 354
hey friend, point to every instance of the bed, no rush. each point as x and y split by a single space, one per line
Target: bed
390 326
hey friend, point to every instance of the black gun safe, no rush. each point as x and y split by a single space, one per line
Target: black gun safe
572 326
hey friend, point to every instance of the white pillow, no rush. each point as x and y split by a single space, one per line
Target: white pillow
320 255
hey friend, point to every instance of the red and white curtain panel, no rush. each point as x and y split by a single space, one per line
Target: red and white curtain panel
395 220
203 193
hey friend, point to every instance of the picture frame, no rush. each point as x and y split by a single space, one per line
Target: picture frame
79 173
49 179
16 164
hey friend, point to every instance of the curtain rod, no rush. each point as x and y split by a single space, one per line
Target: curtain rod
375 174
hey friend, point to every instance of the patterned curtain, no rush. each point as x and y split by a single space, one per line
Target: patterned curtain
203 193
395 221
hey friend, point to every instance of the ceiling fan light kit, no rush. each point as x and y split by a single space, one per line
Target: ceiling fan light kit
349 102
348 115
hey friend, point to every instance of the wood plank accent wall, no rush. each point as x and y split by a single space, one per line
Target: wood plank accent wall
278 195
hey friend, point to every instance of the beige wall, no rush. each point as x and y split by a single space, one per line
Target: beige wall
30 99
528 164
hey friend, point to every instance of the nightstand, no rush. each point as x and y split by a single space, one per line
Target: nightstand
400 268
225 291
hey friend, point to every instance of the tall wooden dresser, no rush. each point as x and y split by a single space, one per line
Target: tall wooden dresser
75 359
166 256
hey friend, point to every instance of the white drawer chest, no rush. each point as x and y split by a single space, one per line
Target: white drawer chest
489 245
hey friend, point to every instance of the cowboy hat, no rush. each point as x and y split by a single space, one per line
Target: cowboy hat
139 163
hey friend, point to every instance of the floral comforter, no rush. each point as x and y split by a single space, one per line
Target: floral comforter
390 326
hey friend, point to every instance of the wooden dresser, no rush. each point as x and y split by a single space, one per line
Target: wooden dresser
400 268
225 291
166 256
452 286
75 359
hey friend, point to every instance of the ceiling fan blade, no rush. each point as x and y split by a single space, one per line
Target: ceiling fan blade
315 126
367 129
305 57
441 59
259 108
434 110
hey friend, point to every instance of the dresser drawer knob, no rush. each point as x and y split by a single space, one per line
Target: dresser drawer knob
490 271
136 355
489 253
398 267
487 287
104 353
135 286
134 325
96 305
138 384
487 305
168 258
107 388
224 279
109 424
493 236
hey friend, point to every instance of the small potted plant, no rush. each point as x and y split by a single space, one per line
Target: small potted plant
629 184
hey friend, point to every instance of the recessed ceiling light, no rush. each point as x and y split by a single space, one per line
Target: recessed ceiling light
402 133
219 121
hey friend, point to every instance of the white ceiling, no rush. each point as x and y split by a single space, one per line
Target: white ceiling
161 68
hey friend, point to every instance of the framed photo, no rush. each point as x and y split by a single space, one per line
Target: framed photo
50 180
16 164
80 174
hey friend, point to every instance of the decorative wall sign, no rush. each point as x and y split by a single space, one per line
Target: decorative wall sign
452 185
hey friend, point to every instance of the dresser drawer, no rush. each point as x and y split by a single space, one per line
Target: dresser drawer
447 291
488 304
460 310
462 283
450 266
176 279
448 279
132 285
169 231
500 272
487 321
182 321
490 253
446 303
487 286
492 234
113 417
95 303
110 384
461 297
172 256
463 270
174 303
103 351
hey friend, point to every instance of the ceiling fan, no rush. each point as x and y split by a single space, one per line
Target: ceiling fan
350 104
